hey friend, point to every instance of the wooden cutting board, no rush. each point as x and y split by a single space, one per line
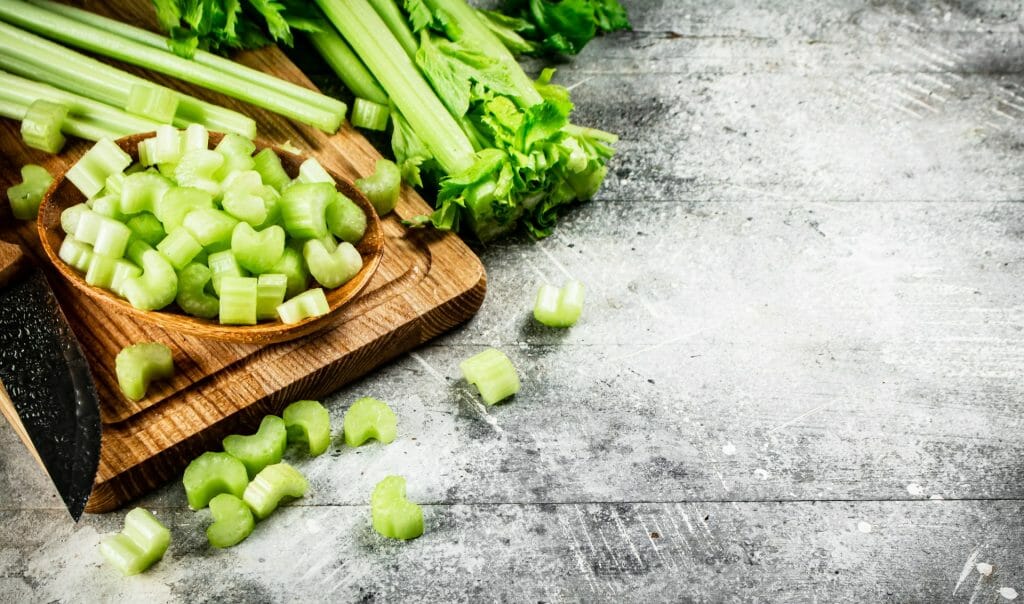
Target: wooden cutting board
427 283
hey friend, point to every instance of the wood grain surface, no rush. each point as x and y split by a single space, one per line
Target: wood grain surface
797 377
426 283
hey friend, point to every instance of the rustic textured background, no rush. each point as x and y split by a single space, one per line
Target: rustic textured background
798 375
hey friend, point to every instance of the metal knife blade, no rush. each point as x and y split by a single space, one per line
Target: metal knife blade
47 379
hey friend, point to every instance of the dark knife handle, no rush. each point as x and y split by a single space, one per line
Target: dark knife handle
11 259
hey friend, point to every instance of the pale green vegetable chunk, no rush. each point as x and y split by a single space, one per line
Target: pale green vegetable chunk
140 364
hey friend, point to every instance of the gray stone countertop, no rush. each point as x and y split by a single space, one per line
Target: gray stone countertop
798 376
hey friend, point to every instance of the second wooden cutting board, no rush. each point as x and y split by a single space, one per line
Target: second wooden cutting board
427 283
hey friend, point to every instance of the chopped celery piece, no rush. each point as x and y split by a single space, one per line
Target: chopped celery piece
177 202
212 474
41 125
270 291
394 516
107 272
166 145
259 450
232 521
493 375
107 205
192 296
210 227
156 287
243 197
345 219
272 203
113 184
238 300
268 164
123 271
310 303
179 247
139 364
304 209
257 251
383 187
147 227
369 418
142 191
143 541
271 485
26 197
556 307
107 236
154 102
198 169
292 266
145 149
312 171
223 264
308 422
76 253
237 152
70 218
196 136
332 268
137 248
370 115
91 171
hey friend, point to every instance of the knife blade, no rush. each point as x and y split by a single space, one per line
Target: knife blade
46 379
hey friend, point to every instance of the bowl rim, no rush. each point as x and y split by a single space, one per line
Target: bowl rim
370 247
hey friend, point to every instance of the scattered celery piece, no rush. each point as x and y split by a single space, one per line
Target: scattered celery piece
259 450
345 219
369 418
308 422
143 541
142 192
310 303
76 253
25 197
394 516
238 300
91 171
179 247
156 287
232 521
177 202
556 307
271 485
268 164
223 264
291 266
41 125
383 186
139 364
370 115
311 171
146 227
270 291
304 209
493 375
332 268
154 102
192 296
212 474
210 227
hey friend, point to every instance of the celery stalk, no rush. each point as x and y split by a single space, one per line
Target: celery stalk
347 65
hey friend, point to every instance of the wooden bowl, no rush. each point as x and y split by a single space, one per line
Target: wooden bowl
63 194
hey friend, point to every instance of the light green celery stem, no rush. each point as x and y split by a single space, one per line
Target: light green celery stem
476 35
583 131
208 59
40 59
93 39
367 34
82 128
347 65
17 89
395 20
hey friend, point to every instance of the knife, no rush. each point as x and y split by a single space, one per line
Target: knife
46 389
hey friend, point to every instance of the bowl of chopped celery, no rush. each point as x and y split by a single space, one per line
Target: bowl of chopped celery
211 235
